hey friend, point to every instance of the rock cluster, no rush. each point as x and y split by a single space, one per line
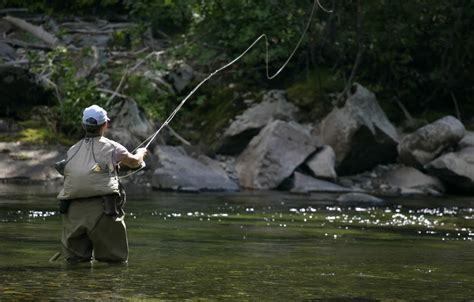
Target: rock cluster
353 149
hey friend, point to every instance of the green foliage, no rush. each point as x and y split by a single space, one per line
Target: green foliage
76 6
34 132
207 115
148 97
161 14
312 94
420 52
223 29
73 93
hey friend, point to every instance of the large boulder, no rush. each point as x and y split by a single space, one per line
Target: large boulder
22 162
425 144
360 133
466 141
177 170
322 163
301 183
246 125
273 155
128 124
408 180
455 168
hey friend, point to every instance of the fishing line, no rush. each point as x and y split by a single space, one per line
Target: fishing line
150 139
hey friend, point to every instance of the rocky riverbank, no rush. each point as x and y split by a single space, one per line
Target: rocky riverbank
266 144
354 149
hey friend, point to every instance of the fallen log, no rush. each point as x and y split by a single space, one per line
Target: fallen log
13 10
36 31
17 62
22 44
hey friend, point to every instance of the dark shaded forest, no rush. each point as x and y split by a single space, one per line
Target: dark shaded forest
416 56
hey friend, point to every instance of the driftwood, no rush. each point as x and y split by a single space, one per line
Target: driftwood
129 70
19 43
404 109
13 10
45 79
179 137
17 62
89 31
108 91
456 106
36 31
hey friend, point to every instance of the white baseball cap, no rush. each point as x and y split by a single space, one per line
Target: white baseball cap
94 112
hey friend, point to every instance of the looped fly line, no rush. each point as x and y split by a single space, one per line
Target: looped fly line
150 139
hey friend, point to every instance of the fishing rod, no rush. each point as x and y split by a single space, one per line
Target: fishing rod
152 137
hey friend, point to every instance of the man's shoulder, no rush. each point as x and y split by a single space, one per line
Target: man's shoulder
112 142
77 144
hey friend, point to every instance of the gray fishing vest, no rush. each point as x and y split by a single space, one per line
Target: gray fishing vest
90 169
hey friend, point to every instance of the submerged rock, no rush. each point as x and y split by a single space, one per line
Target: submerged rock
425 144
274 154
246 125
359 199
306 184
455 168
322 163
179 171
360 133
408 180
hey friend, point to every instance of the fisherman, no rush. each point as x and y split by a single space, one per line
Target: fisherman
92 197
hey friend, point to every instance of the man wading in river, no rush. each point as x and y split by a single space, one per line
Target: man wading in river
92 198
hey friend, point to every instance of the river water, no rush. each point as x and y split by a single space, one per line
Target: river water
247 246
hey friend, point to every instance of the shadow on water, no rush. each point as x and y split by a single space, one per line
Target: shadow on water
247 246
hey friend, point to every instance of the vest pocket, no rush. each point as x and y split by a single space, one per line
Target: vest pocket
112 205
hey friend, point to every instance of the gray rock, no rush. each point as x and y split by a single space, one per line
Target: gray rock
273 155
322 163
455 168
359 199
246 125
128 124
6 51
409 180
179 171
27 162
88 61
306 184
180 75
425 144
81 40
466 141
360 133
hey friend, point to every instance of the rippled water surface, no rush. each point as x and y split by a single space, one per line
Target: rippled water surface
247 246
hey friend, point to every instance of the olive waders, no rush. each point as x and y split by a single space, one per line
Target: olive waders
88 232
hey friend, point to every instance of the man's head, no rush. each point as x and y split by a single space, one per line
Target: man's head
94 120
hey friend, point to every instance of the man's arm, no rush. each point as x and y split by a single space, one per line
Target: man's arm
134 160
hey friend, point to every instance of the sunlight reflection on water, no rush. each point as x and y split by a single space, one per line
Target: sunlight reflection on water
248 247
